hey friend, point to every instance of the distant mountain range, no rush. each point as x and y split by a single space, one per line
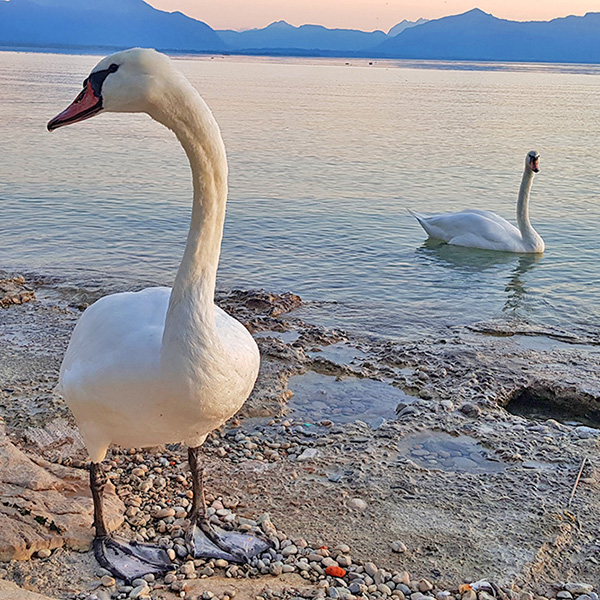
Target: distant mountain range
111 23
474 35
281 35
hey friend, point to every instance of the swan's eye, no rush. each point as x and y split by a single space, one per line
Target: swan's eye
97 79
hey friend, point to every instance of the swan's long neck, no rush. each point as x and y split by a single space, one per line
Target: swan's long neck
529 234
190 322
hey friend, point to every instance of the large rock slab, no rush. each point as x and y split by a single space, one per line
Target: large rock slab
10 591
45 505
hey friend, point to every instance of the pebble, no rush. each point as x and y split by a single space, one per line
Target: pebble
188 568
140 591
399 547
344 560
108 580
357 503
371 568
564 595
308 454
578 588
425 585
289 550
44 553
276 568
164 513
327 561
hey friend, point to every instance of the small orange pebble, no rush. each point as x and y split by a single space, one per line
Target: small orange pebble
464 588
335 571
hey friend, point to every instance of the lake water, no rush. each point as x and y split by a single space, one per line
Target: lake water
325 158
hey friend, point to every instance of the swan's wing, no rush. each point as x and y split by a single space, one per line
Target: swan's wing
492 216
481 229
117 338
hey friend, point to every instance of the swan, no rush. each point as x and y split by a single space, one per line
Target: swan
487 230
161 365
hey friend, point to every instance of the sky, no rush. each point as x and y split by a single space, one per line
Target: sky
364 14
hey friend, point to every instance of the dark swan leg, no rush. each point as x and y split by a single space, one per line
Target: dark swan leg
125 560
207 541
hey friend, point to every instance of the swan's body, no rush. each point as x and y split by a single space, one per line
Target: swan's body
113 379
486 230
161 365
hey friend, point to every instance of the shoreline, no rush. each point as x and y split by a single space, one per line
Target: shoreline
495 508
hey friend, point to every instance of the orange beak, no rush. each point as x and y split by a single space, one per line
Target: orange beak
86 105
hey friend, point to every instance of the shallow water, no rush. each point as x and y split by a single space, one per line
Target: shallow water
325 158
440 450
324 397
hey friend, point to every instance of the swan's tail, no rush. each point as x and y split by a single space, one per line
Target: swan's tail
419 217
422 219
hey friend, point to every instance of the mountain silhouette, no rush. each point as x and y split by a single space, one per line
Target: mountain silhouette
306 37
476 35
400 27
112 23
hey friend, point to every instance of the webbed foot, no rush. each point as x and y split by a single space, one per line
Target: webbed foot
206 541
130 560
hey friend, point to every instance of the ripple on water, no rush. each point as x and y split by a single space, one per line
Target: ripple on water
440 450
318 397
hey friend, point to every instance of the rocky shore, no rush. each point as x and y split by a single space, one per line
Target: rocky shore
444 469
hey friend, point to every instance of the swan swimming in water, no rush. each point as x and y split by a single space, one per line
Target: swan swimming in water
487 230
161 365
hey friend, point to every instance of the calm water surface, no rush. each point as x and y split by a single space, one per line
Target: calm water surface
325 158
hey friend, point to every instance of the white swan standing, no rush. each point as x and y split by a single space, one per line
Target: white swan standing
160 366
485 229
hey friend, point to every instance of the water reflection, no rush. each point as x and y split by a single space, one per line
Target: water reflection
463 259
475 261
515 288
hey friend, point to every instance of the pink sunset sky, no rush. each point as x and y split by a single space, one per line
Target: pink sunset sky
364 14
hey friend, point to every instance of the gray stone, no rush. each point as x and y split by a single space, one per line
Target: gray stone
344 560
399 547
371 568
578 588
357 504
357 588
289 550
276 568
308 454
140 591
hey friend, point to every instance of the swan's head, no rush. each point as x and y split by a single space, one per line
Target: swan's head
533 161
128 81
